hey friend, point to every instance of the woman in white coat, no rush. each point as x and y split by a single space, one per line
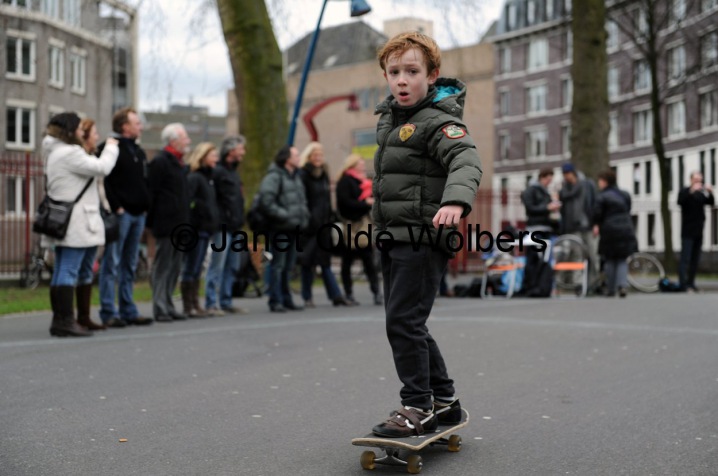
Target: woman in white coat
69 168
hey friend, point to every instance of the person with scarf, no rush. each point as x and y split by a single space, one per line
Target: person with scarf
354 202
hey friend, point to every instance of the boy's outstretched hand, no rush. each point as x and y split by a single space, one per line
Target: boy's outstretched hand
448 215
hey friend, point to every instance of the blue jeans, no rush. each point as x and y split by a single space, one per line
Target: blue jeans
280 269
119 264
73 266
688 265
194 258
330 283
223 267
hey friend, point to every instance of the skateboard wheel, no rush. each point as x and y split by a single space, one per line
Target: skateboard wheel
454 443
414 464
367 460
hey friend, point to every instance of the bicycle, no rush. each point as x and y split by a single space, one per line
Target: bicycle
39 265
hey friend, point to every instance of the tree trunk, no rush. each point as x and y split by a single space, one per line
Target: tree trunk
590 108
259 84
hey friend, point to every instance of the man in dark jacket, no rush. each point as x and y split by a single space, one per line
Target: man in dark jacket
167 178
282 200
692 200
223 265
539 204
128 195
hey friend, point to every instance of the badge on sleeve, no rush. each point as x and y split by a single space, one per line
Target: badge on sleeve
406 131
453 132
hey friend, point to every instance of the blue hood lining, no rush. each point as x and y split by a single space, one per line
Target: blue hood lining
445 91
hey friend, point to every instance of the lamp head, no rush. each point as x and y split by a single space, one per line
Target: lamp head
359 8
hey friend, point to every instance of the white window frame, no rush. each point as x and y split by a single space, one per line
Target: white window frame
20 107
676 63
536 142
677 11
640 19
19 183
709 49
72 12
642 126
505 59
676 118
707 5
568 53
566 92
613 37
50 8
504 145
78 70
566 139
613 136
536 97
709 109
537 57
21 37
14 3
641 76
504 102
614 82
56 63
531 12
511 15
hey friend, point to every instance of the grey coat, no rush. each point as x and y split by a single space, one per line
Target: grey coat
282 199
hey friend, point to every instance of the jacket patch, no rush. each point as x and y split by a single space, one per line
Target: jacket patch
453 132
406 131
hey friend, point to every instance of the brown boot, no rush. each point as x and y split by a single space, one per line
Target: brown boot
186 290
198 309
83 295
63 322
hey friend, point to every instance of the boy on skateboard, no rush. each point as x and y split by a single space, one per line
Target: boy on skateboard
427 172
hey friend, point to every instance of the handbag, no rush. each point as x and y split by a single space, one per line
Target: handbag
112 225
53 216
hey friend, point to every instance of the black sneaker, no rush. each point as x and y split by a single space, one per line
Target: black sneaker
448 413
406 422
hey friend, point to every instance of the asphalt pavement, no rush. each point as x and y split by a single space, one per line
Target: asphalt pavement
590 386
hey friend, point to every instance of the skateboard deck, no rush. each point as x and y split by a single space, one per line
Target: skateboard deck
391 446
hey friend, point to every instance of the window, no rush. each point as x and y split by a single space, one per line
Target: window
566 93
567 4
676 62
676 118
568 46
708 5
612 38
538 54
641 76
636 178
50 8
649 178
17 3
78 69
536 143
709 49
15 193
20 56
566 139
549 9
642 126
504 103
613 130
702 163
504 145
651 229
677 11
510 16
71 12
640 22
56 58
613 83
20 127
505 59
536 99
681 171
709 109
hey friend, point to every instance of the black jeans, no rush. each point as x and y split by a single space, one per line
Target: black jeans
366 255
411 280
690 254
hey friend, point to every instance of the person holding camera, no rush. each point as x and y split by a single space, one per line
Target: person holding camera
692 200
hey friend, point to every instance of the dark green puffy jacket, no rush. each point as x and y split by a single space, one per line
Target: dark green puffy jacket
283 200
425 160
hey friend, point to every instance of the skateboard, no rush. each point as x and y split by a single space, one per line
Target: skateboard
414 444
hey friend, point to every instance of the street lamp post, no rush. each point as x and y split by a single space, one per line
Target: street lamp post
358 8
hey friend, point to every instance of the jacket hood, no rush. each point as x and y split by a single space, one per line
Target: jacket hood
447 94
49 144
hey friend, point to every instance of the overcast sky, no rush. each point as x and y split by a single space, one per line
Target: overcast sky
183 56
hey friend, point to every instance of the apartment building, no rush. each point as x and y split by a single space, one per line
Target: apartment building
533 56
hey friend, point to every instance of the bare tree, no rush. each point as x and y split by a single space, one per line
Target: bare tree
651 27
590 108
258 82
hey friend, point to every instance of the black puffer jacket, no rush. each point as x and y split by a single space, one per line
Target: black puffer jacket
613 217
282 200
536 200
319 198
204 212
230 198
425 160
348 191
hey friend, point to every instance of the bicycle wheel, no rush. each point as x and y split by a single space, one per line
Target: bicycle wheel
568 248
30 275
644 272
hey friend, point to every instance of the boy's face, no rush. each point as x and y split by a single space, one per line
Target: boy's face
408 77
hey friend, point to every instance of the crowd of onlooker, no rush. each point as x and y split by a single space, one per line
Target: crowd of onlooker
196 194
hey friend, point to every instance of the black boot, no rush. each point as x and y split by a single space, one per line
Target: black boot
63 323
186 291
83 295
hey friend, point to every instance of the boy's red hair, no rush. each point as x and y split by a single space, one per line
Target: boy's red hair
403 42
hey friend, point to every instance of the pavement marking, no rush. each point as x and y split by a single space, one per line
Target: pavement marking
244 326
